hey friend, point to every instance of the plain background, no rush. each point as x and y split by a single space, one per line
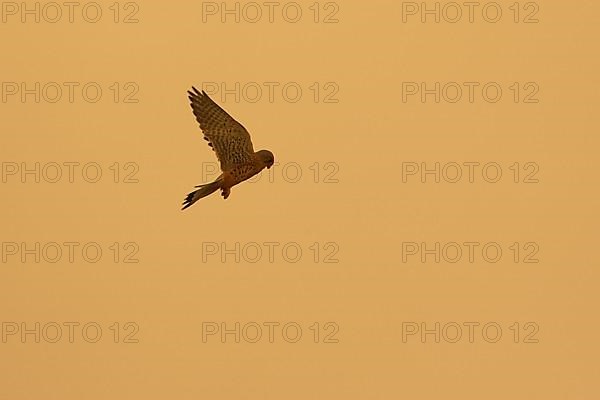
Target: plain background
366 213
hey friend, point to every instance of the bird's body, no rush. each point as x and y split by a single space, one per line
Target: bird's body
232 144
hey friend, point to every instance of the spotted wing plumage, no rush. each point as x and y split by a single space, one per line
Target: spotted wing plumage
228 138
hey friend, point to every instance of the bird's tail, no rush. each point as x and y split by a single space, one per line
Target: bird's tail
202 191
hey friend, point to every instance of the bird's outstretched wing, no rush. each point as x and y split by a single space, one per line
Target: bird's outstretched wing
228 138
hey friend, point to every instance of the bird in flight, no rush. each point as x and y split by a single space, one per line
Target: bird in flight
232 145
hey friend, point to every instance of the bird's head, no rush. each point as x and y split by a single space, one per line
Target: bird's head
266 157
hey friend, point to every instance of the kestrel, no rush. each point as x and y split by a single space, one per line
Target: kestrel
231 142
